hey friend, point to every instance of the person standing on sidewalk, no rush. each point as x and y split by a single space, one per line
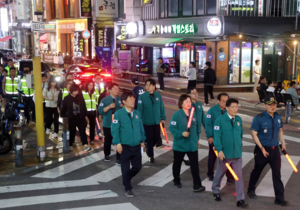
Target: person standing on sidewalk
10 84
212 115
107 108
185 142
192 74
266 132
160 70
74 109
228 138
137 90
257 74
28 94
152 110
209 82
129 136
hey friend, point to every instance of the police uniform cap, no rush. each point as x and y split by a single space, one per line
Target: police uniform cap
270 100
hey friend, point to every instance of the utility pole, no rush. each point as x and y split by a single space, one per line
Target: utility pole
37 72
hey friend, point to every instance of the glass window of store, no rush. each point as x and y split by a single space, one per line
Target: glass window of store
257 55
234 62
211 7
200 7
156 55
173 8
162 8
246 62
187 7
268 63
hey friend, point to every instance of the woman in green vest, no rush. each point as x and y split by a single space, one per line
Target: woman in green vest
90 97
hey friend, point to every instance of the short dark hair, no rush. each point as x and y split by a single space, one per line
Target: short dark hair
270 82
152 82
193 64
126 95
44 75
9 60
256 61
222 94
111 85
182 98
292 83
5 70
26 72
261 78
12 68
208 64
193 88
231 101
74 87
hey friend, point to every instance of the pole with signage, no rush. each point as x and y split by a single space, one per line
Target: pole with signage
36 27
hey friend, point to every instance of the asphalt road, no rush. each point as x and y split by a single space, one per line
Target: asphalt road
87 182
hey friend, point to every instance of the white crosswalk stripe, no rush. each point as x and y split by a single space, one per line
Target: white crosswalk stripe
289 138
165 176
123 206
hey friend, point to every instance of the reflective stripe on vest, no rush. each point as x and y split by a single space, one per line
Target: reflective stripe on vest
11 86
27 91
90 101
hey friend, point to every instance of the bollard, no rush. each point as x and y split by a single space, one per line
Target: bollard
18 145
66 136
288 110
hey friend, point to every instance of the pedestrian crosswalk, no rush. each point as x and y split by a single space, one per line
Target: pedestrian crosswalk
123 206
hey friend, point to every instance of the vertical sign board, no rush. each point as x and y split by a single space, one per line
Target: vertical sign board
4 19
38 7
100 38
107 8
109 40
79 46
93 42
261 8
86 9
104 54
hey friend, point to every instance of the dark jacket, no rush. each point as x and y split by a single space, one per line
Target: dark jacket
263 86
73 107
137 91
210 76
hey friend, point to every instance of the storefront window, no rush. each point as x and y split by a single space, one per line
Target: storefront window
187 7
246 62
268 60
234 63
200 7
162 8
279 65
156 55
257 55
211 7
173 8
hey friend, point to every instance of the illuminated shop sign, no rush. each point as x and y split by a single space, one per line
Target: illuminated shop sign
79 47
86 9
174 29
147 1
214 26
126 30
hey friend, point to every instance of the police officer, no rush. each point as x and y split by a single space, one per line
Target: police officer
212 115
107 108
266 130
28 94
228 136
152 110
129 136
137 90
10 84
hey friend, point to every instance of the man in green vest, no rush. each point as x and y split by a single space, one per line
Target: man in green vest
10 64
129 136
10 84
28 94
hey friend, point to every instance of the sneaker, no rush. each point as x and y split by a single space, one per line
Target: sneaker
281 202
54 135
47 131
129 194
187 162
152 160
211 178
87 148
198 188
160 147
205 104
242 204
106 158
178 185
217 197
252 195
118 162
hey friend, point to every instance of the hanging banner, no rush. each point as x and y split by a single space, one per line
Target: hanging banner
107 8
104 54
79 46
100 39
86 9
38 7
261 8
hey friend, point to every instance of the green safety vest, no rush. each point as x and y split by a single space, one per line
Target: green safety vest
90 101
64 93
27 91
11 86
8 70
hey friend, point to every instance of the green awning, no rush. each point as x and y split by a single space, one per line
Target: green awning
149 42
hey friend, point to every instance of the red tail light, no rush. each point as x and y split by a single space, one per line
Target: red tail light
86 75
106 75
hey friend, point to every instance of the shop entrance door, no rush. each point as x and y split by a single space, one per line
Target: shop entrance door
66 44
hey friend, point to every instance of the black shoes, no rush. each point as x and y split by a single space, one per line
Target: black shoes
211 178
198 188
118 162
242 204
129 194
152 160
281 202
187 162
230 181
178 185
217 197
252 195
106 158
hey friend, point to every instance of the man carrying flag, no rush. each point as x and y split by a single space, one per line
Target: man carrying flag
266 130
228 135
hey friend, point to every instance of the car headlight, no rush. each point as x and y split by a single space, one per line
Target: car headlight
57 79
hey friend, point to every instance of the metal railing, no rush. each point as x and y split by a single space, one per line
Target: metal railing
258 8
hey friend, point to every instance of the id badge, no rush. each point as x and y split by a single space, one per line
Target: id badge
265 130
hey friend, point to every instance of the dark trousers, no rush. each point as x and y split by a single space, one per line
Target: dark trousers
92 121
191 85
208 89
161 80
130 155
274 159
178 158
211 164
108 142
153 137
80 123
28 106
52 116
